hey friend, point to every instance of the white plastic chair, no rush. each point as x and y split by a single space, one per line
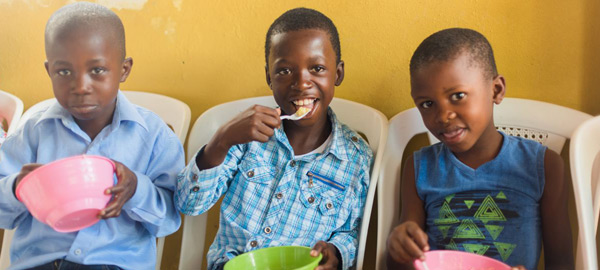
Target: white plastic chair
544 122
11 108
359 117
585 169
174 112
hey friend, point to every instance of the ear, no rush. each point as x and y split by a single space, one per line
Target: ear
339 73
499 85
46 66
268 77
126 68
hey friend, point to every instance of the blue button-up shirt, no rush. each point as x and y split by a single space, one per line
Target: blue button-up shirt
137 138
272 198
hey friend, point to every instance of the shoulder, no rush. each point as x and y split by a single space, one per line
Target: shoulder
357 145
154 125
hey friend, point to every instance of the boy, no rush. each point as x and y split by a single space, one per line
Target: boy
478 190
286 182
85 50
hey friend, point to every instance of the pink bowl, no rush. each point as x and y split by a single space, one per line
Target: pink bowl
68 194
458 260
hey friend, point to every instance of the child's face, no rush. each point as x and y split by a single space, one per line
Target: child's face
302 72
456 101
85 68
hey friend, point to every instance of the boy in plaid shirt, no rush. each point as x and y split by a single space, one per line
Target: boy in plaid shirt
286 182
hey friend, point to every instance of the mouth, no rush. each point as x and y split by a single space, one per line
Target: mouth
305 104
83 108
452 135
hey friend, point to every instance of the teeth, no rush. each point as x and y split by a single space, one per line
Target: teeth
301 102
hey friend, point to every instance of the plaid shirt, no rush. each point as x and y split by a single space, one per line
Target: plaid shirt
274 199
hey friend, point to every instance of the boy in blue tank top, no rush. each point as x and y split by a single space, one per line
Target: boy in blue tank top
479 190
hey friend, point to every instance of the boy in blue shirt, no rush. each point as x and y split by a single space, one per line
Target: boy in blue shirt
284 183
85 50
478 190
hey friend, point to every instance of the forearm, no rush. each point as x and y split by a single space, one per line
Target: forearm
212 154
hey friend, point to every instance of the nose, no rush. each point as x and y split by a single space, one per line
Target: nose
302 81
81 85
445 114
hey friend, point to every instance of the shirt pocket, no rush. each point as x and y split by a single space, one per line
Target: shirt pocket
256 172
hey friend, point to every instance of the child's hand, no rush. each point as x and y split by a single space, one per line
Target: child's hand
25 170
257 123
122 192
407 242
330 258
518 267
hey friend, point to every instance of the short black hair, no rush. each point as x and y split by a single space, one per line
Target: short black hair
301 19
450 43
85 14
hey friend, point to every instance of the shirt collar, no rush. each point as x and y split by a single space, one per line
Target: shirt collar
124 111
336 147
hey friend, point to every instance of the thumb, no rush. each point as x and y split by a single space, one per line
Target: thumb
278 110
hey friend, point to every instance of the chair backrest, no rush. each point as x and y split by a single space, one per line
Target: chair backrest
546 123
174 112
359 117
584 150
11 108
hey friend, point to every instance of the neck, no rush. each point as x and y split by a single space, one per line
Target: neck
305 139
92 127
485 149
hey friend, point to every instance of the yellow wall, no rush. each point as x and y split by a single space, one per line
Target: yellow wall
208 52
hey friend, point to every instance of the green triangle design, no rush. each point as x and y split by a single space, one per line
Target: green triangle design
476 248
501 195
494 230
505 249
449 198
488 210
468 229
444 230
446 216
451 246
469 203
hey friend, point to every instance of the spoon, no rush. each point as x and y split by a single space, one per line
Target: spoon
299 114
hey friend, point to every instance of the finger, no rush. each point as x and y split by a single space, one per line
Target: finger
119 188
331 261
265 130
278 111
398 253
111 210
258 136
412 249
318 248
419 236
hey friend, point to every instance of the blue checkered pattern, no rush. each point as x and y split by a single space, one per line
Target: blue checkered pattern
270 200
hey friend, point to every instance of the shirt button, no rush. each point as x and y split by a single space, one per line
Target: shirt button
253 243
279 195
293 163
268 230
329 205
311 199
78 252
195 189
195 177
354 139
250 174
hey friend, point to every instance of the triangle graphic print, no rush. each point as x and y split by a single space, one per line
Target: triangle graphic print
449 198
469 203
505 249
451 246
446 216
468 229
501 195
476 248
488 210
494 230
444 230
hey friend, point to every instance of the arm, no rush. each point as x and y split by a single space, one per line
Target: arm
556 230
408 240
147 197
16 152
207 176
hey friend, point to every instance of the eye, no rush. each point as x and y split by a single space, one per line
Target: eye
426 104
283 71
64 72
98 70
458 96
318 69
